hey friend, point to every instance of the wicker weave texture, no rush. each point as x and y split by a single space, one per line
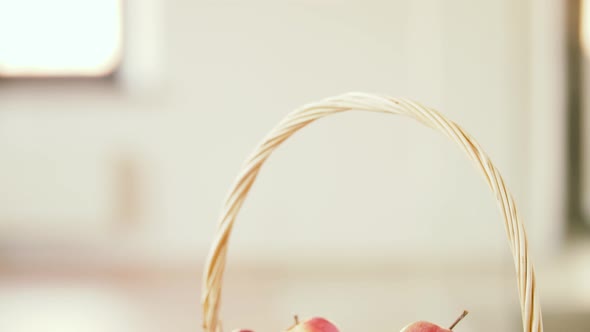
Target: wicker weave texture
515 230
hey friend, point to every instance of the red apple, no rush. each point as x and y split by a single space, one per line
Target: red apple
316 324
422 326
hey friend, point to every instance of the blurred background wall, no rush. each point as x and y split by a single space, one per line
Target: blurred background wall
110 186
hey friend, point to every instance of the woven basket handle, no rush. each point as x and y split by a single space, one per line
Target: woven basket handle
213 274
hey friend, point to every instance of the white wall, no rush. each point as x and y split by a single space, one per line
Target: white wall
220 74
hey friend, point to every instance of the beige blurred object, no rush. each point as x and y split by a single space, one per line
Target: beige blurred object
581 82
515 230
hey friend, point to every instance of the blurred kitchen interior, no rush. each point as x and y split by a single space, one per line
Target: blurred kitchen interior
123 124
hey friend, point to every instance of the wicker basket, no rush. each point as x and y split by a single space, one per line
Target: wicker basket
215 266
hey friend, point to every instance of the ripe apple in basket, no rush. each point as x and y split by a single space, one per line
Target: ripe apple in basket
316 324
422 326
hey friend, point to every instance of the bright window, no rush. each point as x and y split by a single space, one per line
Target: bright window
41 38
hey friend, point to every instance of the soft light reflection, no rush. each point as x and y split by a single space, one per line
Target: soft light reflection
59 37
585 26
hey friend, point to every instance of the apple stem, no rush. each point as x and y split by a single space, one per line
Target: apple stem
465 312
296 319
